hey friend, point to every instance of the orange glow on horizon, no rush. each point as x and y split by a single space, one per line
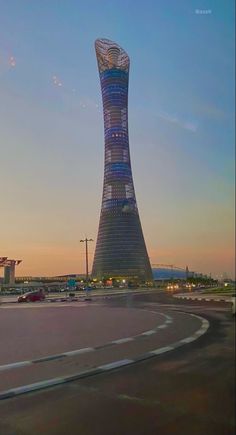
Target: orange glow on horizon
46 260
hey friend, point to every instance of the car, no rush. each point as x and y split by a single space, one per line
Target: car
233 300
32 296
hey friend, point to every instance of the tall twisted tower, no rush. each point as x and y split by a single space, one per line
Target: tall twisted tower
120 249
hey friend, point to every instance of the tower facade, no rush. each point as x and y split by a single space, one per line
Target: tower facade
120 249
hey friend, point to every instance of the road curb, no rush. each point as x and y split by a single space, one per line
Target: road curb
81 351
81 297
114 365
190 298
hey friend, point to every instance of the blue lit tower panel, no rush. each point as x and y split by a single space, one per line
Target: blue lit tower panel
120 249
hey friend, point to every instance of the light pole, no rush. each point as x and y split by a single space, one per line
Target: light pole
86 261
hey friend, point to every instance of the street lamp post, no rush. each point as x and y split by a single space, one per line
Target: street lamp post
86 261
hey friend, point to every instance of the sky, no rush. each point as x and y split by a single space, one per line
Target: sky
181 129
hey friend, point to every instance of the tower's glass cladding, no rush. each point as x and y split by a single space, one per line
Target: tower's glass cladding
120 249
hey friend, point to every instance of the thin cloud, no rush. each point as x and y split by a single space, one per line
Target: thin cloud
211 111
173 119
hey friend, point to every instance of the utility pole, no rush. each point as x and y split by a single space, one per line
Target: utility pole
86 262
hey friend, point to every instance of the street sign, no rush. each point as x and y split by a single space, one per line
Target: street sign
71 283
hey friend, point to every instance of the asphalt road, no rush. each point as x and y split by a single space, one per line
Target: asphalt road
81 294
190 390
36 331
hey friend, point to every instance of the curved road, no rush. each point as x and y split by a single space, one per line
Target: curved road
187 390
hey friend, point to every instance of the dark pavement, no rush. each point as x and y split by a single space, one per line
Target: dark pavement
187 391
34 330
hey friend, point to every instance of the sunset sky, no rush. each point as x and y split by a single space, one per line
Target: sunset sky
181 129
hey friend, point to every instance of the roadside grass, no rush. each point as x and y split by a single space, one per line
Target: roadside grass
226 290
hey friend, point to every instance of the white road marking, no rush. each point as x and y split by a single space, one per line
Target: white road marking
14 365
161 350
86 349
152 331
116 364
79 351
200 332
187 340
35 386
122 340
113 365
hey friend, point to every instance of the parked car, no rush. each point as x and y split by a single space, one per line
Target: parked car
32 296
87 288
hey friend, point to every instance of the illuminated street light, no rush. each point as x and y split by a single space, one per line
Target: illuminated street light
86 262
